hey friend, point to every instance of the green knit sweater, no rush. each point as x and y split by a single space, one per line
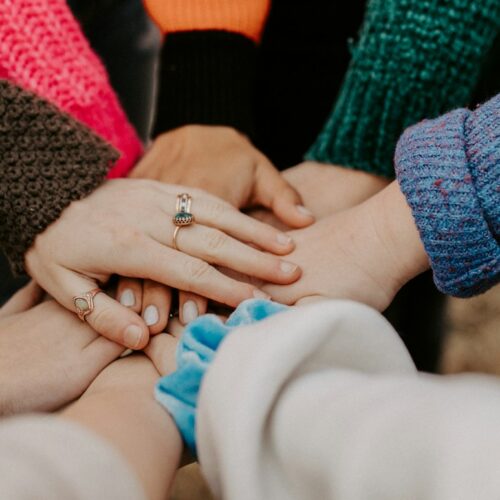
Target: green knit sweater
414 59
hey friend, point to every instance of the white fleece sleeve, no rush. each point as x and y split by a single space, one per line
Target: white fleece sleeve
324 402
47 458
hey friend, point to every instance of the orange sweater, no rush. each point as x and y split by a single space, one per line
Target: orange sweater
245 17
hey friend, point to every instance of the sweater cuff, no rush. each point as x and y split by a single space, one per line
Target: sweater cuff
47 160
178 392
435 174
414 60
207 78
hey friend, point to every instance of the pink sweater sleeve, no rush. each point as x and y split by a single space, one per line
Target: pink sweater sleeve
43 49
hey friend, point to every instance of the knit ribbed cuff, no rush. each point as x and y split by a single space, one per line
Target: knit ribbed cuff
47 160
414 59
207 77
434 170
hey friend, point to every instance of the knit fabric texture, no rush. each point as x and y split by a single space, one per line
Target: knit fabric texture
178 392
47 160
43 49
414 59
244 17
449 171
207 77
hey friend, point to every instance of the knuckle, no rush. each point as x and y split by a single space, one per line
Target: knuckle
197 269
215 241
215 210
102 319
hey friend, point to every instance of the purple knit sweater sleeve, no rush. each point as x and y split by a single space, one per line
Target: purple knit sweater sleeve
449 171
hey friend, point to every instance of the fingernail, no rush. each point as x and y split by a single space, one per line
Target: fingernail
127 298
283 239
189 311
151 315
133 336
287 267
304 211
259 294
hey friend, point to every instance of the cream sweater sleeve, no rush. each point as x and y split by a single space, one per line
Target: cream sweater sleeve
47 458
324 403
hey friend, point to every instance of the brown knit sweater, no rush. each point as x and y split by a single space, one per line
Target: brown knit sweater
47 160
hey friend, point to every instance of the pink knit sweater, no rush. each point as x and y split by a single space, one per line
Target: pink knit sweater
43 49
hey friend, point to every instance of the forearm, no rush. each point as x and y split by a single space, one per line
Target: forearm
135 425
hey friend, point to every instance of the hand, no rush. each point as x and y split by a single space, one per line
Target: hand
47 356
125 227
364 254
223 162
326 189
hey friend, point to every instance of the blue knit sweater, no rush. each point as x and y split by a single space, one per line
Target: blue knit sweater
449 171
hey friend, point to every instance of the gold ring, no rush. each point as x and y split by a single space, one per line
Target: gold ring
183 216
176 230
84 304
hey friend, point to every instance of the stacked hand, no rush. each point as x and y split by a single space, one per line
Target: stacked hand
125 227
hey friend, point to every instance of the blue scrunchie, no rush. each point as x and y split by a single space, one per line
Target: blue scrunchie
178 392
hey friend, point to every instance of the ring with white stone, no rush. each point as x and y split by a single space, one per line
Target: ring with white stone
84 304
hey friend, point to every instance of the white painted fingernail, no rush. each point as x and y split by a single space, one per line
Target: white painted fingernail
127 298
259 294
151 315
189 311
287 267
133 336
304 211
283 239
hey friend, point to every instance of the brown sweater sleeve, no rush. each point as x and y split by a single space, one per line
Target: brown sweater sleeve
47 160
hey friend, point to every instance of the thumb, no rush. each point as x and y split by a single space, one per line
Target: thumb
273 192
108 317
26 298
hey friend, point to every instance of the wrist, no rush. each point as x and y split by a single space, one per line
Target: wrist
397 235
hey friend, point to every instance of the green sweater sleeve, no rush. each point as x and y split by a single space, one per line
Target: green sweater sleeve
414 59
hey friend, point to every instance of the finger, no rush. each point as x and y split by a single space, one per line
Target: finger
161 352
178 270
191 306
175 328
213 212
129 293
274 192
156 301
99 353
109 318
283 294
25 298
216 247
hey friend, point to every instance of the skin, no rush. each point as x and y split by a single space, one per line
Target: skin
47 355
222 161
326 189
101 235
365 253
115 408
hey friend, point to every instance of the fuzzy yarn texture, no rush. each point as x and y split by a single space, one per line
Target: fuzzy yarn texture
449 171
43 49
47 160
179 391
414 59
